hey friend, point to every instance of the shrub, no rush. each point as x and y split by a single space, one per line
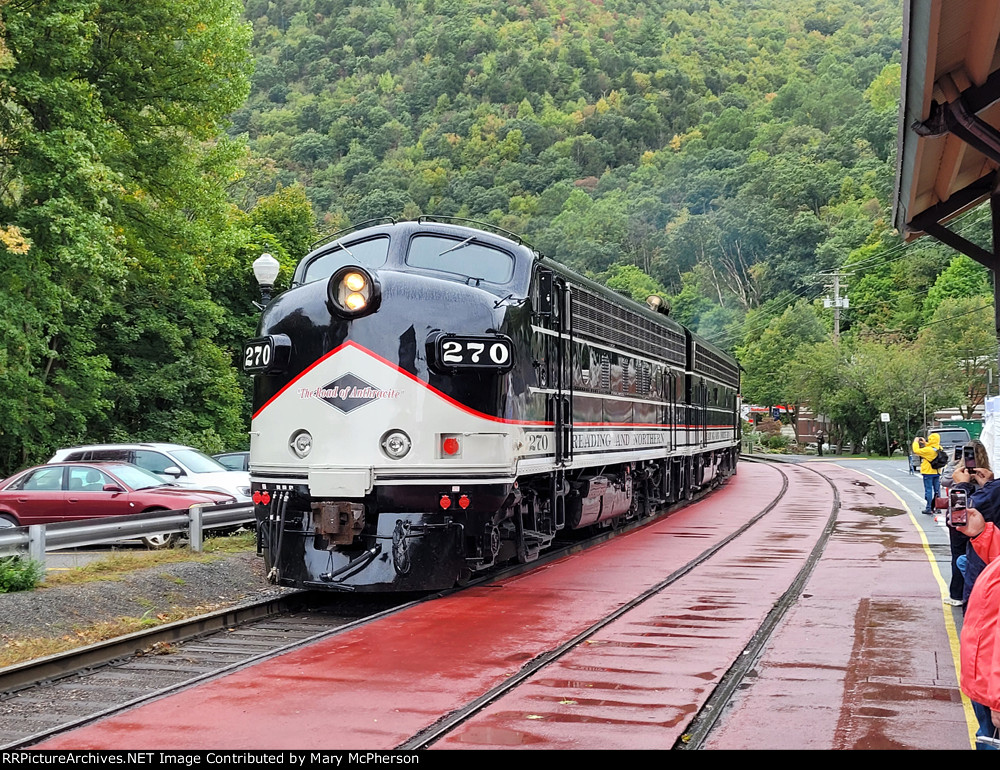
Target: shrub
19 574
777 441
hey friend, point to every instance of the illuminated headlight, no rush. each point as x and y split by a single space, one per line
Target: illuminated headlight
353 291
396 444
301 443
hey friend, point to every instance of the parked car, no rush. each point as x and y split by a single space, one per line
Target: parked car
950 439
69 491
235 461
181 465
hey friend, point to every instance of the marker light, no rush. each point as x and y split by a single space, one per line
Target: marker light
352 291
301 443
450 446
444 502
396 444
464 502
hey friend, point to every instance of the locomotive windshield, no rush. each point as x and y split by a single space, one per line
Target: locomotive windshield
466 258
371 253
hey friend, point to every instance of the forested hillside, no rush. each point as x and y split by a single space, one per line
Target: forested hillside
728 155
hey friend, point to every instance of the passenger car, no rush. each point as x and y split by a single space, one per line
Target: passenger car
181 465
235 461
70 491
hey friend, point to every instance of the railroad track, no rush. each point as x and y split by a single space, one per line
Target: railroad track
706 717
43 698
270 636
46 697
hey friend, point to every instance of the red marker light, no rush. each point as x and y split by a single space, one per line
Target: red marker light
445 502
464 502
450 446
265 498
256 498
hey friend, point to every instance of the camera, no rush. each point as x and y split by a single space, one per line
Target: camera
958 504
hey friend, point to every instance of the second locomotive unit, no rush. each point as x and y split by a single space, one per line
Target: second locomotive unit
431 400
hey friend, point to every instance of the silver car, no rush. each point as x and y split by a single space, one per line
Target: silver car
181 465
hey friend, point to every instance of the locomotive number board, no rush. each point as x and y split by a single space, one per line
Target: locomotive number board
451 352
266 354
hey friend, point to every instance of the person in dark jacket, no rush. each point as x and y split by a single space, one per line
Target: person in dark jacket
984 495
957 595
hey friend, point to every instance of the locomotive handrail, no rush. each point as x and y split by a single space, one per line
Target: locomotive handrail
36 539
445 220
352 228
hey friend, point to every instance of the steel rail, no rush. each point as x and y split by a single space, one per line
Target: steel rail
704 721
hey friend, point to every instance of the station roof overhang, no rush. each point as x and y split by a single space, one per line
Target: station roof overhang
948 151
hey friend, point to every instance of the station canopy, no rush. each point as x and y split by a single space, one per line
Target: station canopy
949 120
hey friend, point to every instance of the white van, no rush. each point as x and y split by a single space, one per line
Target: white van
176 464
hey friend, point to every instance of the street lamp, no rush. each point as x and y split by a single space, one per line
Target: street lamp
265 270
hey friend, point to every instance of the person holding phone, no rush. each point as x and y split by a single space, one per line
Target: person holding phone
984 495
926 450
980 643
967 461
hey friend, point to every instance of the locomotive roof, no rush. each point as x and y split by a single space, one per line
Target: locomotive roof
509 242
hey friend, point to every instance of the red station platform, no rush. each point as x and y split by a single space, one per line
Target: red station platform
865 659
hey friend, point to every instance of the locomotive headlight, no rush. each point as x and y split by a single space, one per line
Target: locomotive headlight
352 291
395 444
355 281
301 443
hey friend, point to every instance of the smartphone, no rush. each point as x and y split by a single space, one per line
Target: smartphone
958 455
969 453
958 505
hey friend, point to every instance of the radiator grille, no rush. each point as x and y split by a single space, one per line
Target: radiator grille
604 321
713 365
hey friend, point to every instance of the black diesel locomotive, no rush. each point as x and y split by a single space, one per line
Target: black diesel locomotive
432 399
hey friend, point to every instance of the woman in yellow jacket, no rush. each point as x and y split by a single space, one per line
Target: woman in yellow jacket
926 450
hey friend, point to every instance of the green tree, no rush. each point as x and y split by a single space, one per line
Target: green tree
109 114
959 341
766 358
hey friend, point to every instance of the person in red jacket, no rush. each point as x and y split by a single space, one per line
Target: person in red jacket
980 647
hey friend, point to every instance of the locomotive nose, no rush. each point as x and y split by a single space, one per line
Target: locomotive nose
353 291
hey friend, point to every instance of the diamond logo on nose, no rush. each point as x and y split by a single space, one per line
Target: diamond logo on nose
349 392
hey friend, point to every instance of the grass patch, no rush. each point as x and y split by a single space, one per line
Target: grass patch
114 566
30 648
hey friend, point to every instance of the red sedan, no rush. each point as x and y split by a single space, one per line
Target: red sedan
69 491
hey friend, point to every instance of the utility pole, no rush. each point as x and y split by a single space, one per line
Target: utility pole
837 302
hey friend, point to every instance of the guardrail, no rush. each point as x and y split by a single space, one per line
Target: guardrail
36 539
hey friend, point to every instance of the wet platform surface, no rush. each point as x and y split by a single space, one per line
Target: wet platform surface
863 659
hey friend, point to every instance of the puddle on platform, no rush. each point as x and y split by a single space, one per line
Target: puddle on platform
496 736
880 510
